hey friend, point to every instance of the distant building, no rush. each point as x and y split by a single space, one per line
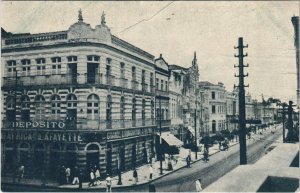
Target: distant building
295 21
217 106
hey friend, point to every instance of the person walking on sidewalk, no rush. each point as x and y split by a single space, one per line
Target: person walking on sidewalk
151 172
80 179
92 178
198 185
188 161
62 174
108 183
205 155
135 176
75 176
68 174
97 176
21 172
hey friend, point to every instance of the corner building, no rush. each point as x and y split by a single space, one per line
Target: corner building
83 98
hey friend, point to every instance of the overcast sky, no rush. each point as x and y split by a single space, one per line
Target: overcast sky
177 29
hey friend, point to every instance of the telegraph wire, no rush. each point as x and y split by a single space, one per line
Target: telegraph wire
129 27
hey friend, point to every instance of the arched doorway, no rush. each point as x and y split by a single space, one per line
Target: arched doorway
9 158
24 154
71 157
39 159
92 156
55 161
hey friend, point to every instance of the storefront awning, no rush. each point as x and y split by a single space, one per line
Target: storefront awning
171 139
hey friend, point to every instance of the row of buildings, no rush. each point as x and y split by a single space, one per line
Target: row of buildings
83 97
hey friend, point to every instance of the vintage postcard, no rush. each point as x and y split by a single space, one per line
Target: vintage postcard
150 96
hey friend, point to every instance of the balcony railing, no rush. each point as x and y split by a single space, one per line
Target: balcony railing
123 82
114 124
144 87
152 89
134 85
161 92
164 123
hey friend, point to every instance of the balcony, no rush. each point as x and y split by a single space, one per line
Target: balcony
152 89
41 80
161 93
164 123
123 82
114 124
134 85
144 87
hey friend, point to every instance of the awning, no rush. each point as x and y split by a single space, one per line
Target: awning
171 139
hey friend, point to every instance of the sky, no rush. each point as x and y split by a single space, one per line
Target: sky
177 29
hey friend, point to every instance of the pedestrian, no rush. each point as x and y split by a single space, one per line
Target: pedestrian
205 155
92 178
43 179
151 172
80 175
152 188
68 174
97 176
198 185
21 171
188 161
170 167
108 183
75 175
62 174
220 143
135 176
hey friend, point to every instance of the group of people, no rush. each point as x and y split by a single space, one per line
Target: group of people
68 176
224 145
94 176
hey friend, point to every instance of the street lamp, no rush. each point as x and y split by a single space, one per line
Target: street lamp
119 171
160 140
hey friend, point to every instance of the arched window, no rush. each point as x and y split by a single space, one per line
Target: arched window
108 111
39 107
93 107
10 109
25 108
55 106
213 126
143 111
133 117
71 101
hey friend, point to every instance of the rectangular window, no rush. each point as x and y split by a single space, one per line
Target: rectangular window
41 66
25 67
133 73
72 58
56 65
151 79
122 70
213 95
161 85
213 109
157 84
143 76
11 67
166 84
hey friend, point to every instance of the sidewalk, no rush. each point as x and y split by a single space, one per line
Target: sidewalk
143 171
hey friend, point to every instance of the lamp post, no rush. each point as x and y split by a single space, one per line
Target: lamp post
119 171
160 140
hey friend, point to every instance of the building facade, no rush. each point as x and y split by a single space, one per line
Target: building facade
80 97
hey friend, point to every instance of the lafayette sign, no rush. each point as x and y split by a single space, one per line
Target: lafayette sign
42 136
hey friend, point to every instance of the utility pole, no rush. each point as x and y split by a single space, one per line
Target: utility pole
242 113
160 140
195 120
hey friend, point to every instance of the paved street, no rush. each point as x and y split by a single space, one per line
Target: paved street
183 179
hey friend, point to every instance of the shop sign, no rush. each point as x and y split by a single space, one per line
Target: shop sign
39 124
41 136
114 135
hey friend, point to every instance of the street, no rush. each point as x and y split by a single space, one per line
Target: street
183 179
